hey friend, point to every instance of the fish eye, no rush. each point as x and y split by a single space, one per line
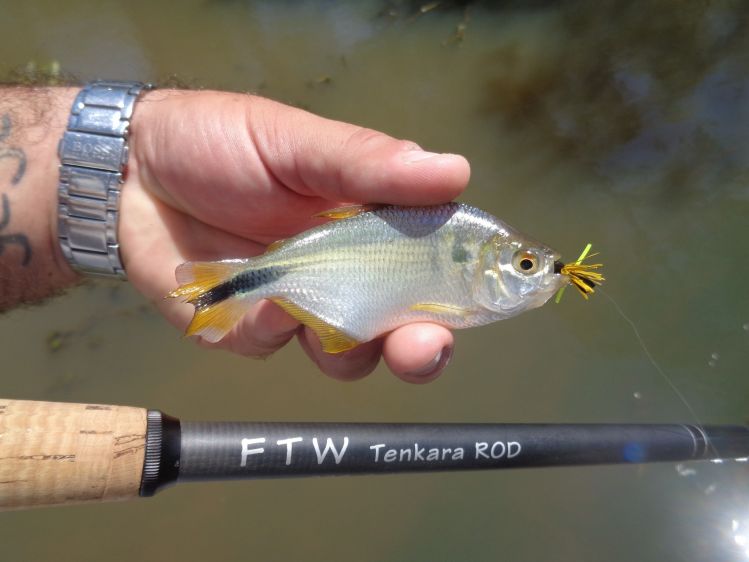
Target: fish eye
525 262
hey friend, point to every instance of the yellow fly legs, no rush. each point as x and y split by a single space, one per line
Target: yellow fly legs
584 277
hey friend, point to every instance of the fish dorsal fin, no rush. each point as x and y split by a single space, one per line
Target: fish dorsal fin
273 246
331 338
348 211
197 277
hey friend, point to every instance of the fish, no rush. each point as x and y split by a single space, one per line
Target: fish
373 268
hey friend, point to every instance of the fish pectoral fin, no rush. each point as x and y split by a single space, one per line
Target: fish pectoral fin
348 211
437 308
331 338
212 322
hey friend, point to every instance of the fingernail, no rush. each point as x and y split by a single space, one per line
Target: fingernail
414 156
439 362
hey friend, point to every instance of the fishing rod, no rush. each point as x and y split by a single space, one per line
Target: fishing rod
59 453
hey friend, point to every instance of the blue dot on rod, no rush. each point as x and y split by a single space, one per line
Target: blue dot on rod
633 452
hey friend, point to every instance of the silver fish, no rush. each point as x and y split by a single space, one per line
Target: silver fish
374 269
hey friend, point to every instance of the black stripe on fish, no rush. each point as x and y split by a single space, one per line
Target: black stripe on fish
243 283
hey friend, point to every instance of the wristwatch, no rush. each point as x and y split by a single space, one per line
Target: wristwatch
93 154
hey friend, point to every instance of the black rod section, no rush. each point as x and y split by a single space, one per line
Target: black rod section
238 450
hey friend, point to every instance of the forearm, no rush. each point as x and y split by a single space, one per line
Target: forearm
32 266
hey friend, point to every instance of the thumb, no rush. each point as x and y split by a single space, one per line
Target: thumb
338 161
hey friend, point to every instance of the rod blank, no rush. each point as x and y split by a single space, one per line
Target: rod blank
237 450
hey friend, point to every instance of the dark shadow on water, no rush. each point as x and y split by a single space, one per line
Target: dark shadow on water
648 98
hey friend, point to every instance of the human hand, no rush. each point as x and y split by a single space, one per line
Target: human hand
215 176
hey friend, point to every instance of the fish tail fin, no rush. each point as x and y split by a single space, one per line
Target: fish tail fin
215 314
213 321
196 278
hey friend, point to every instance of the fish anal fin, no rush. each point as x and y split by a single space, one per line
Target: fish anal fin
212 322
348 211
198 277
331 338
437 308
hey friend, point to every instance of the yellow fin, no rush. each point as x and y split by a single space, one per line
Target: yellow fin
347 211
213 322
198 277
441 309
273 246
332 339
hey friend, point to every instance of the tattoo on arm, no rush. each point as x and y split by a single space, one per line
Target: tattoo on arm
19 155
11 151
7 239
4 127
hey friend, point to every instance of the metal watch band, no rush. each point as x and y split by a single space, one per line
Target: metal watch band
93 153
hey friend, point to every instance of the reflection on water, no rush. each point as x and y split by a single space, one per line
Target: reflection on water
619 123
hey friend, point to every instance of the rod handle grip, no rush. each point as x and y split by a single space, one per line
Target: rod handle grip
55 453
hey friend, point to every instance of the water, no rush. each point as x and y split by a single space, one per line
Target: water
619 123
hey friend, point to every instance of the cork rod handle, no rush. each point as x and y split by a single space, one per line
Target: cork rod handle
57 453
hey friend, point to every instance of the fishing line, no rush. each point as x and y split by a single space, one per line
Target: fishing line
656 366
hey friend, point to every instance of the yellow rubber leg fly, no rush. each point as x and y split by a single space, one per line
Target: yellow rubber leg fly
582 287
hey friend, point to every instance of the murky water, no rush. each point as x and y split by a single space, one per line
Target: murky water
620 123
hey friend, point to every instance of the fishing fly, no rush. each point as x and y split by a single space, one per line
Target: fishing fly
584 277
